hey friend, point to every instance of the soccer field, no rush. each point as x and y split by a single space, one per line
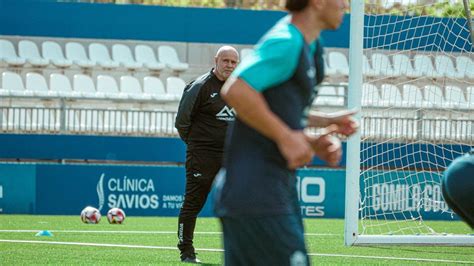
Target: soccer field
152 240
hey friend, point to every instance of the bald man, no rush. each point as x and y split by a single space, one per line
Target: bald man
202 124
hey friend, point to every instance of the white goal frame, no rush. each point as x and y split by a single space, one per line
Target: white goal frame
352 235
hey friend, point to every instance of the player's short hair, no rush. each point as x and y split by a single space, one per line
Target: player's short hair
296 5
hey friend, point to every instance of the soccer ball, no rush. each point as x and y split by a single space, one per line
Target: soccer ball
90 215
116 216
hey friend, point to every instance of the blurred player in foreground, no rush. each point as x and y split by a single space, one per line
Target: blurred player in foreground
272 91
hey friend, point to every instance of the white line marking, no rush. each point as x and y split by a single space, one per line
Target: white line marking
133 232
221 250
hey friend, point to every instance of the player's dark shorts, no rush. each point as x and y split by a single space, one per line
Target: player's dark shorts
272 240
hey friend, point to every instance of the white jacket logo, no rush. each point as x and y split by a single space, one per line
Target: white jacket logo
226 114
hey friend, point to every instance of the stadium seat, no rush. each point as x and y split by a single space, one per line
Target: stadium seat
154 87
402 66
13 83
8 54
175 87
391 96
412 96
382 63
52 51
370 95
465 65
455 97
131 87
168 55
108 86
60 84
328 71
367 69
433 96
328 95
99 53
444 66
77 54
423 64
144 54
36 83
245 52
122 54
29 51
338 61
84 85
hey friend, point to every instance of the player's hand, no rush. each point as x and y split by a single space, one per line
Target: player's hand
296 149
325 146
347 125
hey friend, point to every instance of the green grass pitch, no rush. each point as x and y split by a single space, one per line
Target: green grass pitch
152 240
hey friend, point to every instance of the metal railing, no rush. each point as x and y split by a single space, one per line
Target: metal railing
97 121
87 121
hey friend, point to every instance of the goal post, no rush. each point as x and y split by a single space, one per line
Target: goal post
467 10
412 77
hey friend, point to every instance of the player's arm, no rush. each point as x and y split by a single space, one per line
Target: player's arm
344 120
252 109
187 106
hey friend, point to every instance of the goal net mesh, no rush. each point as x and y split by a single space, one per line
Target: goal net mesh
417 112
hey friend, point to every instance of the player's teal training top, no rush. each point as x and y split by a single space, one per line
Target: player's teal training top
255 179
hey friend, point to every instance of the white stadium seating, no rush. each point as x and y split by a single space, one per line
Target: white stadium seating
84 85
8 54
367 69
245 52
402 66
465 65
29 51
175 87
99 53
424 65
168 55
412 96
122 54
52 52
36 83
144 54
14 84
108 87
382 63
338 62
77 54
455 97
62 86
391 96
130 86
445 67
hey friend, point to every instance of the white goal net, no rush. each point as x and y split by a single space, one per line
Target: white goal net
417 115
